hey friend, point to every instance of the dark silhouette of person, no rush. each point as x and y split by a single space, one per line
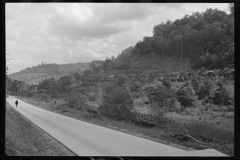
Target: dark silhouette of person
16 102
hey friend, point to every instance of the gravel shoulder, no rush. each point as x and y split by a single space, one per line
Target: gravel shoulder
23 138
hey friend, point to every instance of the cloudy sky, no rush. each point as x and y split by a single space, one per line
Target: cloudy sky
82 32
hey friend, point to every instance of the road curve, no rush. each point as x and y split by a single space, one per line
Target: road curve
86 139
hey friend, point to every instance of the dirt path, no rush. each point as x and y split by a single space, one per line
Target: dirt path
23 138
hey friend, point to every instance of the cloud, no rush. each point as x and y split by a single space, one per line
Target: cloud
74 31
110 13
77 27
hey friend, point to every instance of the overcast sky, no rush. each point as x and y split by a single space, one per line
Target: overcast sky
82 32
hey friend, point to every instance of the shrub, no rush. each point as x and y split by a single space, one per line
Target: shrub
136 87
121 81
44 96
76 101
135 95
195 83
186 95
162 96
141 102
92 97
166 83
82 90
177 107
230 108
108 89
62 96
41 90
54 93
117 104
204 89
30 94
184 98
221 97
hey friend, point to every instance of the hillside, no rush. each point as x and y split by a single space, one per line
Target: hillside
44 71
151 63
156 63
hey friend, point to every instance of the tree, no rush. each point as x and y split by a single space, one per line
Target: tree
76 101
77 76
221 97
181 45
14 86
163 96
213 15
121 81
160 43
94 66
231 8
86 78
63 83
117 104
204 89
49 86
184 98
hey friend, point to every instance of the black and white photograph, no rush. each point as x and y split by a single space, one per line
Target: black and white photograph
119 79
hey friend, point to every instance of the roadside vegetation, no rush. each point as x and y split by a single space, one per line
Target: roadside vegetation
208 119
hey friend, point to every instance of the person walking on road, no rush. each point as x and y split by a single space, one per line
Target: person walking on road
16 102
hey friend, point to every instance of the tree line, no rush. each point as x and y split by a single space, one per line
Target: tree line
206 38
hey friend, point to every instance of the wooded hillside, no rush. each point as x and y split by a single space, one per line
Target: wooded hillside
44 71
206 38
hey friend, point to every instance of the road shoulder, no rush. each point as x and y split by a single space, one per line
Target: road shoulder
23 138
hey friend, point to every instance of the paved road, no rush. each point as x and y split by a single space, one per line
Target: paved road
86 139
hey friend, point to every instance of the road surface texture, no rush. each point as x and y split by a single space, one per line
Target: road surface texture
86 139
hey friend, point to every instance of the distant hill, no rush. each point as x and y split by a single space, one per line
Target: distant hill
44 71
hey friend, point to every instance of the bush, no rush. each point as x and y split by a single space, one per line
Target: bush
184 98
204 89
121 81
91 97
76 101
108 89
136 87
44 96
141 102
166 83
54 93
135 95
30 94
221 97
82 90
117 104
162 96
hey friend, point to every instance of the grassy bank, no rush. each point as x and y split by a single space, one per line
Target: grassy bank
160 134
23 138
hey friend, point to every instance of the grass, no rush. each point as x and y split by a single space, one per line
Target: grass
210 124
23 138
